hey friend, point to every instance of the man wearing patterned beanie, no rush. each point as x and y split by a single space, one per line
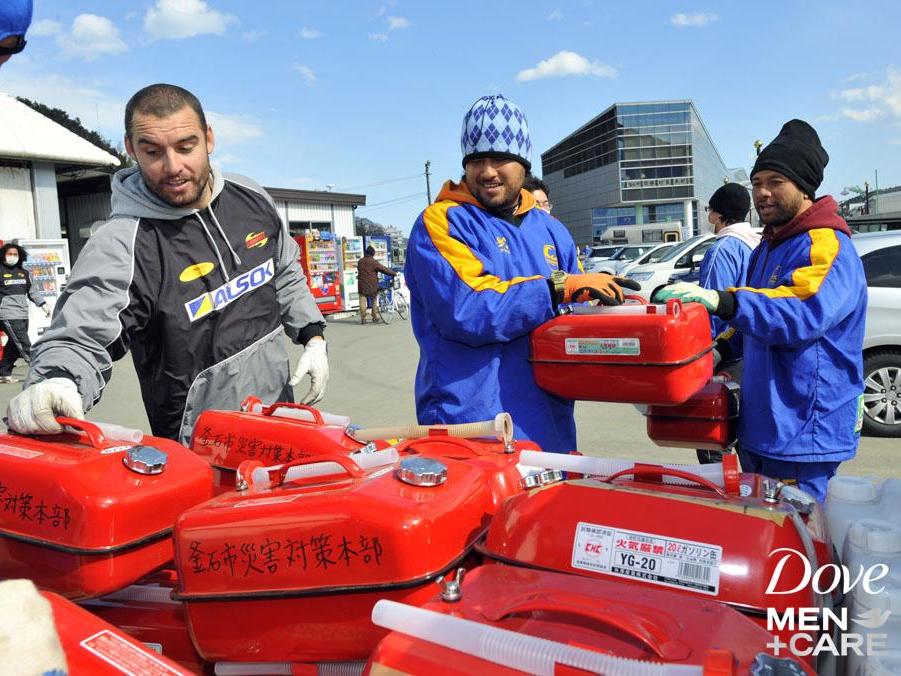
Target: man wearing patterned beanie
485 267
801 317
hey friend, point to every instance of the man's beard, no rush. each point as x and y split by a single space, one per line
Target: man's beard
507 201
199 184
784 213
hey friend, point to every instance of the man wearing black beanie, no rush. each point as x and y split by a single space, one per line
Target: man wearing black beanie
801 317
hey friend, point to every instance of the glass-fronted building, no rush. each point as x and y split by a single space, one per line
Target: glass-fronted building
638 172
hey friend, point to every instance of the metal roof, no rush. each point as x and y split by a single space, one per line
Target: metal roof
25 134
316 196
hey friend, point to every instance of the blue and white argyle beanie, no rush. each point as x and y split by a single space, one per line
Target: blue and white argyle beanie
496 127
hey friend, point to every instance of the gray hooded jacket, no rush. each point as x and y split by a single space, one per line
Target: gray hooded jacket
201 297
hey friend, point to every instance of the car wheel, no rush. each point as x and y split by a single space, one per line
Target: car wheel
882 394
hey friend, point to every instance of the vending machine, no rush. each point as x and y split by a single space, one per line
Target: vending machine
48 265
353 251
319 253
382 246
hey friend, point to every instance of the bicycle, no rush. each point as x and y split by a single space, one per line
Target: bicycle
390 301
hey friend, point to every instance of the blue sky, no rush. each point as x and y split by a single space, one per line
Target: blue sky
360 94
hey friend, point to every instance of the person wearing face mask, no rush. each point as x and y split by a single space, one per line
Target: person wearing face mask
15 292
485 266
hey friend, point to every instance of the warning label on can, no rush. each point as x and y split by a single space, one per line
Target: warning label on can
125 656
625 346
657 559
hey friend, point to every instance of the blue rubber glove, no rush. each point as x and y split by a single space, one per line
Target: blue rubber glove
690 293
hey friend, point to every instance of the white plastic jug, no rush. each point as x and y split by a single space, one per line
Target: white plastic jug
886 636
850 499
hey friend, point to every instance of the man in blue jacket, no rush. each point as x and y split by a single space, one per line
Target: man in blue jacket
801 315
485 267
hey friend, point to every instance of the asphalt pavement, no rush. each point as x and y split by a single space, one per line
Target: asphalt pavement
372 371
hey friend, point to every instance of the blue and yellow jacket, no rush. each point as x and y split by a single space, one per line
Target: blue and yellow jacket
802 319
478 286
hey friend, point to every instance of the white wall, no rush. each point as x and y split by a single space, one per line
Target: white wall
46 202
16 204
340 216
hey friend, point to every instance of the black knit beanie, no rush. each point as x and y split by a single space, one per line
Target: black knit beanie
797 154
732 202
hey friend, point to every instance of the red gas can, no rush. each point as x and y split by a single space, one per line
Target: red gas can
291 573
147 612
654 626
707 420
84 516
704 540
640 354
497 460
95 648
267 434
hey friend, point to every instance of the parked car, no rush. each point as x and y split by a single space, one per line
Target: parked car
599 253
881 256
652 256
623 258
681 258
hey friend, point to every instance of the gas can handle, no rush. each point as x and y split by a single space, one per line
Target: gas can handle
635 299
250 402
244 478
658 634
92 432
660 471
456 444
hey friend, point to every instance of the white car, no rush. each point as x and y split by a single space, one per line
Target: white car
881 256
601 252
653 256
681 258
626 255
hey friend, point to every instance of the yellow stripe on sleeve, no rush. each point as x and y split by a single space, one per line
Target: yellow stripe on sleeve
806 281
468 268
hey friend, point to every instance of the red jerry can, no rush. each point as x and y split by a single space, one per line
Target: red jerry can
290 572
271 435
697 540
653 626
495 459
707 420
147 612
96 648
83 516
639 354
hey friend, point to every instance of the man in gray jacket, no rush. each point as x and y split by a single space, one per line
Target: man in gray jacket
194 272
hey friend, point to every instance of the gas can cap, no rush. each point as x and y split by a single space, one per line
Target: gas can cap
422 471
145 460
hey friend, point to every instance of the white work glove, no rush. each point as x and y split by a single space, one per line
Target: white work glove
46 309
34 410
314 361
690 293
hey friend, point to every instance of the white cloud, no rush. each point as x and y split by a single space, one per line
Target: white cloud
396 23
555 16
80 98
306 73
564 64
233 129
90 37
175 19
252 36
854 77
865 115
693 20
876 101
309 33
378 37
45 27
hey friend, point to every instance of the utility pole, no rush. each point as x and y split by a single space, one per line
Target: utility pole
428 187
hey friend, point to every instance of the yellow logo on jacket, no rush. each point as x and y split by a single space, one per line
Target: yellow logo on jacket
195 271
550 255
502 244
256 239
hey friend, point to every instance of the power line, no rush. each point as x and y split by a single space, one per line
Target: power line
392 201
385 182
